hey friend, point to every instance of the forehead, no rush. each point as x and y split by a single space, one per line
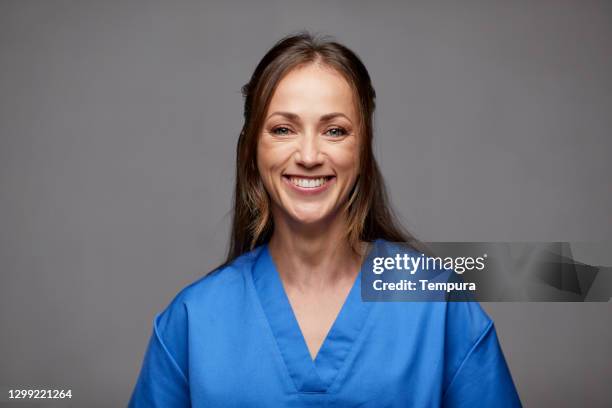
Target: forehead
314 89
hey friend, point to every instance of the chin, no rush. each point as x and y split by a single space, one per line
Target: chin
310 216
307 219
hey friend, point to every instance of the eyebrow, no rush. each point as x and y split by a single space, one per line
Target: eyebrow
295 117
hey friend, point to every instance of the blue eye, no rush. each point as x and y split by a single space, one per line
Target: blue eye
275 130
338 131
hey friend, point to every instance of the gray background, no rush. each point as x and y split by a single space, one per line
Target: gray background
118 124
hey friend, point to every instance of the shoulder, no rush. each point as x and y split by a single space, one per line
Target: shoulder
216 284
463 318
220 286
207 295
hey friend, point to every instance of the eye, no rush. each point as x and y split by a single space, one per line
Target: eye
280 130
337 131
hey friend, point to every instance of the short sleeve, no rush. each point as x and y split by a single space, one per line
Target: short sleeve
482 378
163 381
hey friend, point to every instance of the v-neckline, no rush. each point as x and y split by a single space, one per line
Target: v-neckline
310 376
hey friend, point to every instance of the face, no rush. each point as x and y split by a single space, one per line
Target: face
308 148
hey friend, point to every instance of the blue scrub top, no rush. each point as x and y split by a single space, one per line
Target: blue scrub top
231 339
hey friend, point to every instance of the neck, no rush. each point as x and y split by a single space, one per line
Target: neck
313 256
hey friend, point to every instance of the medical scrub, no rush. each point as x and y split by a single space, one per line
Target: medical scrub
231 339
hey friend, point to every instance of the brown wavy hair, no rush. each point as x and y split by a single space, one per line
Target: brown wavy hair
369 214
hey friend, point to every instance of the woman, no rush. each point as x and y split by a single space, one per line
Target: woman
281 322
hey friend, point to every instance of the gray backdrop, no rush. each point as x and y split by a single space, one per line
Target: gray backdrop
118 124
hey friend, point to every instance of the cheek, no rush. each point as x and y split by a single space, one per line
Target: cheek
270 159
346 158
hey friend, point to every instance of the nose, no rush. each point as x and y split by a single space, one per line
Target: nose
308 152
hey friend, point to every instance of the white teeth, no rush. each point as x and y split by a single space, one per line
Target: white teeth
308 183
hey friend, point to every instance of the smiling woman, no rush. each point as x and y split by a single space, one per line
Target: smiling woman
281 322
310 168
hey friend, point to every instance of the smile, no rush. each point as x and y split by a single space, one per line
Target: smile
308 182
308 185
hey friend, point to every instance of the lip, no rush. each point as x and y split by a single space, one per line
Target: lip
308 190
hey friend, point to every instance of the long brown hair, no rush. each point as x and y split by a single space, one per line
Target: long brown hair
369 214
